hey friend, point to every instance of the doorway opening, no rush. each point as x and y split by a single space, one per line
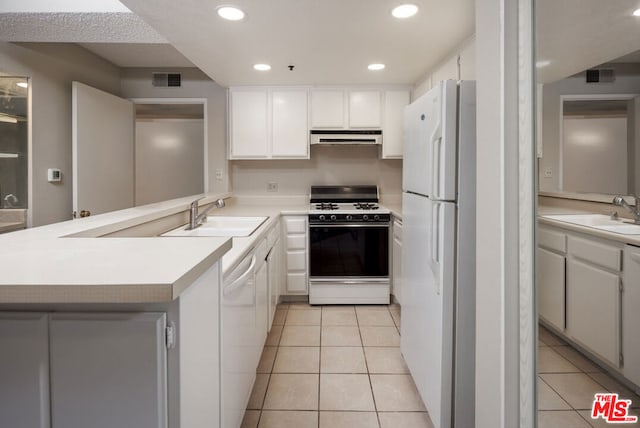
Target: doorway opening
170 149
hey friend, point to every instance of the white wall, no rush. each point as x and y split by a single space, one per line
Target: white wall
459 65
169 159
627 82
136 83
328 165
595 155
52 67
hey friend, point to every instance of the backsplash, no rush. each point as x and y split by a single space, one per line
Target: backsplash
328 165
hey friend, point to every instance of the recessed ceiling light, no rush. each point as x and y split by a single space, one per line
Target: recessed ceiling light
230 13
262 67
375 67
404 10
636 12
23 84
543 63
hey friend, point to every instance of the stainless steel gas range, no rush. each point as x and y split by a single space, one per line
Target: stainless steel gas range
349 246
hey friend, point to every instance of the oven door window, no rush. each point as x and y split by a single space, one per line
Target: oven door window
349 251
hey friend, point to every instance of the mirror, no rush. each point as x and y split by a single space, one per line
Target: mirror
574 38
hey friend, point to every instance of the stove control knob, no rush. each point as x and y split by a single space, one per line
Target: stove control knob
321 217
365 217
349 217
333 217
376 217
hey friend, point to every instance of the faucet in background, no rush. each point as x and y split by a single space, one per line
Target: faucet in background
196 219
633 209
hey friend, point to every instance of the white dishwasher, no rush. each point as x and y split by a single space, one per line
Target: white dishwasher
631 313
238 326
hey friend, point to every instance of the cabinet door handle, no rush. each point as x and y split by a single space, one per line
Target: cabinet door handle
238 283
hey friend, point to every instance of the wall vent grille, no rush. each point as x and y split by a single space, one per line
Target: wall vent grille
600 75
167 80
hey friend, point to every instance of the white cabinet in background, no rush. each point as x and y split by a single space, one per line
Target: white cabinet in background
296 231
290 125
365 109
122 353
593 296
249 130
397 260
328 108
268 123
24 370
551 259
393 123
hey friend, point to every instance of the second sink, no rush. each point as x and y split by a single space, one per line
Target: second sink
221 226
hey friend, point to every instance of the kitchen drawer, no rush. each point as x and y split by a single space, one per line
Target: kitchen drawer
598 253
296 224
552 240
296 260
297 282
297 242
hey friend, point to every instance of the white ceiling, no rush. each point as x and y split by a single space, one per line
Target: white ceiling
575 35
328 41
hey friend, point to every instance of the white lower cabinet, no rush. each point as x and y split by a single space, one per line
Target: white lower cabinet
551 287
137 365
296 258
631 314
123 354
24 370
397 260
551 259
593 309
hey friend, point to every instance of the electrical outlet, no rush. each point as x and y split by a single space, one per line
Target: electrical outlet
272 186
219 174
548 172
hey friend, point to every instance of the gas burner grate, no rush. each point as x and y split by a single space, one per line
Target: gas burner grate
365 206
326 206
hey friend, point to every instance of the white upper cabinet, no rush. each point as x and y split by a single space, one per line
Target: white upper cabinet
328 108
268 123
365 109
290 133
393 123
249 136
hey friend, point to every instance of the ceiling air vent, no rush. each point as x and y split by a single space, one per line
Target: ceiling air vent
167 80
601 75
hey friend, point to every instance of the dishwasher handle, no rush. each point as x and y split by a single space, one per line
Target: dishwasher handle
241 280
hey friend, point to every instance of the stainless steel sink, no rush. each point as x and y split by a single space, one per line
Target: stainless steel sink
221 226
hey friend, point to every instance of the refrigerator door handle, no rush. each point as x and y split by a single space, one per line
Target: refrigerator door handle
436 141
435 242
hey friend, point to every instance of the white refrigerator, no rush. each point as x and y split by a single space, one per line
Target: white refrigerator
438 254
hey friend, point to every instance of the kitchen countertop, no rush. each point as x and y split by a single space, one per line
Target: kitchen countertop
46 265
10 226
618 237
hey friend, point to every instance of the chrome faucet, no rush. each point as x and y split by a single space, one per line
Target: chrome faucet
195 218
633 209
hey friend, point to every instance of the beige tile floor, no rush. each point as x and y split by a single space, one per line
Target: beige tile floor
567 382
334 366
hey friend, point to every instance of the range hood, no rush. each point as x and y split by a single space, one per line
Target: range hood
345 136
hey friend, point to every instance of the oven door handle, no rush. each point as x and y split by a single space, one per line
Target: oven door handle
349 225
